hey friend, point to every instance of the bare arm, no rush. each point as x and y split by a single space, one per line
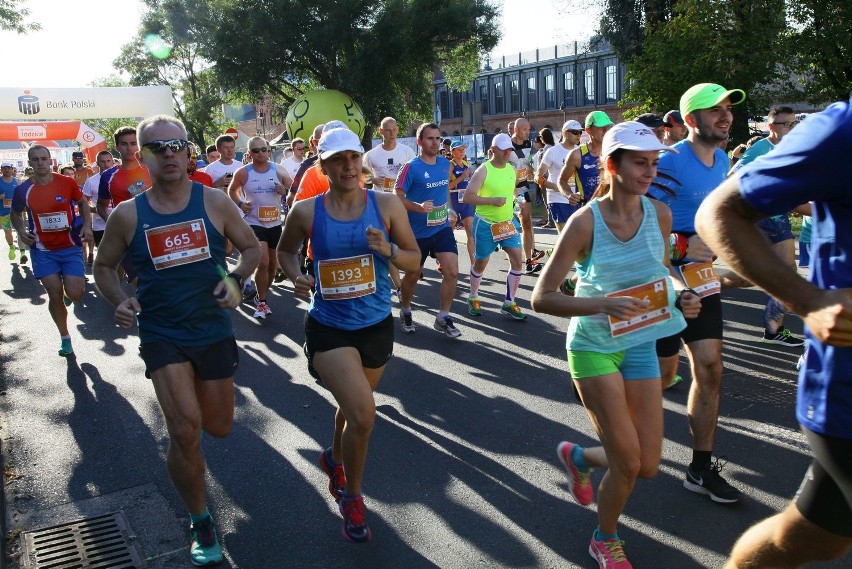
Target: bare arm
396 219
727 222
17 218
572 164
296 228
115 243
235 189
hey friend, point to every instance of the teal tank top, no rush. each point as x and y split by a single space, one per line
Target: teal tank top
614 265
179 257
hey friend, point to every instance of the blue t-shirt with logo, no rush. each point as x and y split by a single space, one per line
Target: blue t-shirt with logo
693 182
802 168
421 182
7 192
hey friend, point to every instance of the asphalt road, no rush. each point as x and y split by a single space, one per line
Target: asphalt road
462 470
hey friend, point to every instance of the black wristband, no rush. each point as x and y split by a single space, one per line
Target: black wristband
239 278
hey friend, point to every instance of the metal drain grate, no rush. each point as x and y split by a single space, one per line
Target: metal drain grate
102 542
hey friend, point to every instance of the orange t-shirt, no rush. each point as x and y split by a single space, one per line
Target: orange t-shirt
50 211
80 176
314 183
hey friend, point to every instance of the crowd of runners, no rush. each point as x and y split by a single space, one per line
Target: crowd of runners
642 210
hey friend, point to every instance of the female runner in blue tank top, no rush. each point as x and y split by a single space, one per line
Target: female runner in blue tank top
355 234
625 299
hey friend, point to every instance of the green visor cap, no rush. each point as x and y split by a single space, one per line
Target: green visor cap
597 118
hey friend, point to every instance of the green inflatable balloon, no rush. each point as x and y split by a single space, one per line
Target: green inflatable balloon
320 107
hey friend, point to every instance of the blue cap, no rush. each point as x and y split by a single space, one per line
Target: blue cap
457 144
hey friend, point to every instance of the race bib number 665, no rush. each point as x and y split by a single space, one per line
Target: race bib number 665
178 244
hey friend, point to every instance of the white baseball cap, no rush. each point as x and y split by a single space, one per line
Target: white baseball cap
333 124
502 142
571 125
338 140
7 165
631 135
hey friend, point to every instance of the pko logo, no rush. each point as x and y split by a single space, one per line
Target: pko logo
28 104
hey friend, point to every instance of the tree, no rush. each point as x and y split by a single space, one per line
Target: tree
382 53
13 18
158 56
735 43
821 49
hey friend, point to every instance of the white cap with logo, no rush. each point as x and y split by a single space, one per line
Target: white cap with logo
571 125
338 140
631 135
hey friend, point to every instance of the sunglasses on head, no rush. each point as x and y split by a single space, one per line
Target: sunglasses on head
576 132
160 146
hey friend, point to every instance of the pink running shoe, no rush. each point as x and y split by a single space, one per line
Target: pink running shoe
579 484
609 554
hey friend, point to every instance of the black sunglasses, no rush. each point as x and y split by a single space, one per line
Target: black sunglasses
258 150
576 132
160 146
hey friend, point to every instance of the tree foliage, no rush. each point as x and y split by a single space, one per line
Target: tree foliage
13 18
382 53
731 42
821 49
178 63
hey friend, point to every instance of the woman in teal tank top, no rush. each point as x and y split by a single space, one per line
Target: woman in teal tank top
625 299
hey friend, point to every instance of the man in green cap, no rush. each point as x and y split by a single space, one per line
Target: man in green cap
689 176
581 172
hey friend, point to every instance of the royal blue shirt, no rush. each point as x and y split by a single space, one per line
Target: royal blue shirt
803 168
693 182
421 182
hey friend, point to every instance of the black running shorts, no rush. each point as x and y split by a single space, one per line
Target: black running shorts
708 326
218 360
825 496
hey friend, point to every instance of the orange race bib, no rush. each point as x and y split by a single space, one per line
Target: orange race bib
350 277
7 203
503 230
702 278
268 213
178 244
657 292
56 221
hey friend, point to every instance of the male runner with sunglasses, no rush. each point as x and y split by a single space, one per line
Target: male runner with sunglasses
176 235
257 189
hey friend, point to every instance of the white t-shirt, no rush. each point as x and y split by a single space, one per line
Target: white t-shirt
90 190
386 164
216 169
554 158
291 165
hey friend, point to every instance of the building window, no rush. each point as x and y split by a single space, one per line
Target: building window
483 96
532 98
499 105
589 86
611 84
457 104
568 89
515 93
445 104
549 92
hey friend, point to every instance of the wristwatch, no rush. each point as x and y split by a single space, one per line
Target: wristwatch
394 251
239 278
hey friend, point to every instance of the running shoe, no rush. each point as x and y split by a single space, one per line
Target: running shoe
609 554
474 307
536 254
406 323
355 528
579 483
783 337
204 548
260 310
676 381
708 481
279 276
65 348
249 290
532 267
23 256
512 309
567 287
267 309
11 253
446 326
334 471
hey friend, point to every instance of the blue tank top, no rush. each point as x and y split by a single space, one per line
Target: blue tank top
179 257
614 265
352 289
588 177
7 192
